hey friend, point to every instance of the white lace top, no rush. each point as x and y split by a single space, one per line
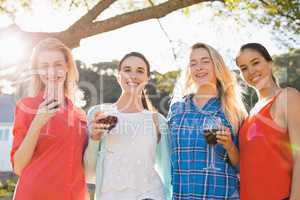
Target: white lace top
126 161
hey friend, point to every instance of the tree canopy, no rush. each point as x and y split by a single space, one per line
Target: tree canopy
282 14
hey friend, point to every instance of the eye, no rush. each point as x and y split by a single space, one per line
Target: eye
140 71
43 66
256 63
193 64
58 65
126 70
243 69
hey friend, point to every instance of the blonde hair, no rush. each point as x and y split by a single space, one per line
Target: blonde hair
53 44
227 86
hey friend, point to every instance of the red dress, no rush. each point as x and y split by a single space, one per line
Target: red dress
55 171
266 161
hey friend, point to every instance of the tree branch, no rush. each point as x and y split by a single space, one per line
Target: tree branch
85 27
93 13
157 11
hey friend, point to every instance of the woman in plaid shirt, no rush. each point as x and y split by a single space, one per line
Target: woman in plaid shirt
209 92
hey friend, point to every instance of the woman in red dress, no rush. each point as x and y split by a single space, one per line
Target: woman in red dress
49 130
269 165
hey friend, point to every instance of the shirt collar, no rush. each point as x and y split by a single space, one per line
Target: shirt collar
211 107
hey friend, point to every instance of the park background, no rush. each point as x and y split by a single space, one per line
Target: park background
100 32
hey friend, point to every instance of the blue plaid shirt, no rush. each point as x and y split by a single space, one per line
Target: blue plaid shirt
190 154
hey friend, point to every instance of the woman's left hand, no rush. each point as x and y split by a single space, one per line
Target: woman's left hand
224 138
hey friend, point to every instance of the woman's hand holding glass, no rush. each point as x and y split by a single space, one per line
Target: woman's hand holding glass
98 129
46 110
102 124
224 138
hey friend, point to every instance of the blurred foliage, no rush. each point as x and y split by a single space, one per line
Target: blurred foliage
282 17
98 82
287 69
7 187
165 82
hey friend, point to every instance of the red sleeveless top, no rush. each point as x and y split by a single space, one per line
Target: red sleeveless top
265 158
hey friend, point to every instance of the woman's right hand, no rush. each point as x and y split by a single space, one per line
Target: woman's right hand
46 110
98 129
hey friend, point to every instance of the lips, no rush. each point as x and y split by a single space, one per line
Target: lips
130 83
255 78
54 79
201 75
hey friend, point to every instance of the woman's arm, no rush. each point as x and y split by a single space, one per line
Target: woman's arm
90 160
163 156
25 151
91 152
293 123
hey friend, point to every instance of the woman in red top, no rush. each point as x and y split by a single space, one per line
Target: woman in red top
269 166
49 131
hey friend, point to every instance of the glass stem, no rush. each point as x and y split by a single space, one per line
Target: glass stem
212 163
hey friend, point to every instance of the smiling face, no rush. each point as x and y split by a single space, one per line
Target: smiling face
202 69
133 75
256 70
52 67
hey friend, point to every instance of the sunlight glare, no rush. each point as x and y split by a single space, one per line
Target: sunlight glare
11 50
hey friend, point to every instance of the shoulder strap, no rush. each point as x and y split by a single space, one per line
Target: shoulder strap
156 123
272 100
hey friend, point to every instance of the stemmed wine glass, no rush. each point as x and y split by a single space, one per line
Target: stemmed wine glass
211 125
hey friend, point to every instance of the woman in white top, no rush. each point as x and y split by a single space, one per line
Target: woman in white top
131 161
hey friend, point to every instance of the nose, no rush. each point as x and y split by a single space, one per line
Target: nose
52 71
133 76
251 70
199 67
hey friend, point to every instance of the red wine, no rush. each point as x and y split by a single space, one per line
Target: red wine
110 120
211 136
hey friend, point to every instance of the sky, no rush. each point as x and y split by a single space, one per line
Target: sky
146 37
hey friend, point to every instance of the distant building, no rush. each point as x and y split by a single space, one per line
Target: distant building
7 109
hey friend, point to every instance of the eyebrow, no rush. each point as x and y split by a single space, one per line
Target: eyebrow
57 61
203 58
139 68
254 59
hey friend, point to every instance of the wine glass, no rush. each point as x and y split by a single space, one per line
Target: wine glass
211 125
109 122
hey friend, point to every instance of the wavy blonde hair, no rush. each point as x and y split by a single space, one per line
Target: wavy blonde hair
227 86
53 44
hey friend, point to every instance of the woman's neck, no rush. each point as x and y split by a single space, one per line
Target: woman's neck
204 93
267 92
129 102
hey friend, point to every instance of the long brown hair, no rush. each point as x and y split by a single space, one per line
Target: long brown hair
259 48
145 99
